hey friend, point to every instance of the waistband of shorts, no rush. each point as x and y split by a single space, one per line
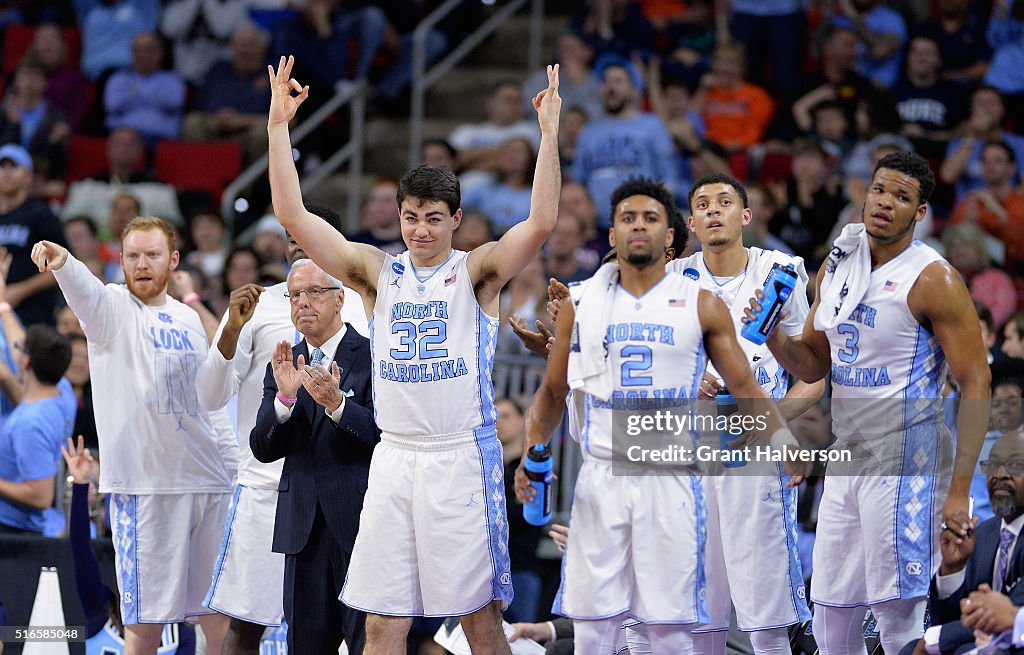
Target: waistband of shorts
438 442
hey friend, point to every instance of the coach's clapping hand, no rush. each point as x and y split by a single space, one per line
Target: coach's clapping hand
287 375
49 256
322 385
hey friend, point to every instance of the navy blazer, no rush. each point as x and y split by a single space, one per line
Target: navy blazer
323 463
979 570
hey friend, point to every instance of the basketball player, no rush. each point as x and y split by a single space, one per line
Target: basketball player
885 322
433 534
247 582
751 518
169 473
653 343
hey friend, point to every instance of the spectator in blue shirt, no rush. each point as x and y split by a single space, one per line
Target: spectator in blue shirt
506 200
962 165
1006 36
626 143
882 33
144 97
108 27
31 437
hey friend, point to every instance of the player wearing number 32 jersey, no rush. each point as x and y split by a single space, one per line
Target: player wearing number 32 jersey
433 534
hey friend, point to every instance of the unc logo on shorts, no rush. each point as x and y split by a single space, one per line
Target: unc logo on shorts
398 268
127 598
506 578
801 593
914 568
691 273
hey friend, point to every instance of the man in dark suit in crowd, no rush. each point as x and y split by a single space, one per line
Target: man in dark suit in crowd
992 555
319 417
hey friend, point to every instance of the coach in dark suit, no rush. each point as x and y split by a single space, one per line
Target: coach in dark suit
319 417
993 555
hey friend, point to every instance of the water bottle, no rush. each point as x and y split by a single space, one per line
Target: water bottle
727 406
539 464
781 282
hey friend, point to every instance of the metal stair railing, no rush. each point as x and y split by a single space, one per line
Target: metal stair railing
423 79
354 95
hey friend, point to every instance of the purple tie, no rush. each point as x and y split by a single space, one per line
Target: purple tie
1002 558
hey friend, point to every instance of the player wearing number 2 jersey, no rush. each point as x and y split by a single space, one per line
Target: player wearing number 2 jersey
433 533
168 471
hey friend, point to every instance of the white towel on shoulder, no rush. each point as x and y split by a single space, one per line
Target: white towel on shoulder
848 271
588 353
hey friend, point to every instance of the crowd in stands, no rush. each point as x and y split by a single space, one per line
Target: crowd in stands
797 101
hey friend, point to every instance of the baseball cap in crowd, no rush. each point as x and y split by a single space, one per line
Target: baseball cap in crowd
612 59
14 153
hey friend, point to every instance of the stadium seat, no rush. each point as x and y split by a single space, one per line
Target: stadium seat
775 167
87 155
209 166
739 164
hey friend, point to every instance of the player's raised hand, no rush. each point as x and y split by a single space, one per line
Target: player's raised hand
49 256
287 375
538 342
283 104
548 103
242 304
79 460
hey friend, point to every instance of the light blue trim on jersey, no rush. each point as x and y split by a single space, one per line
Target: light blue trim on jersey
912 515
556 607
492 475
126 506
375 372
586 423
698 370
416 275
487 341
218 568
781 387
701 513
797 590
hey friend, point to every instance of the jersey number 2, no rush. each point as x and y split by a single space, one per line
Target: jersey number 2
638 361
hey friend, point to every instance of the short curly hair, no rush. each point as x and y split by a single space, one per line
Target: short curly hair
915 166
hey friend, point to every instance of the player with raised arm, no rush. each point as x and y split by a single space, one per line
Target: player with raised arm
657 329
433 534
889 316
168 471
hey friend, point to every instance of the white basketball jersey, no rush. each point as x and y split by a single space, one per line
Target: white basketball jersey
655 350
881 353
736 293
433 350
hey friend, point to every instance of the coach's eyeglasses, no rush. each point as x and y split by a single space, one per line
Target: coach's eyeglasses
1013 466
313 293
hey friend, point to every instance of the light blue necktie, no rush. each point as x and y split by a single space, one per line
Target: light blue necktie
316 357
1002 558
